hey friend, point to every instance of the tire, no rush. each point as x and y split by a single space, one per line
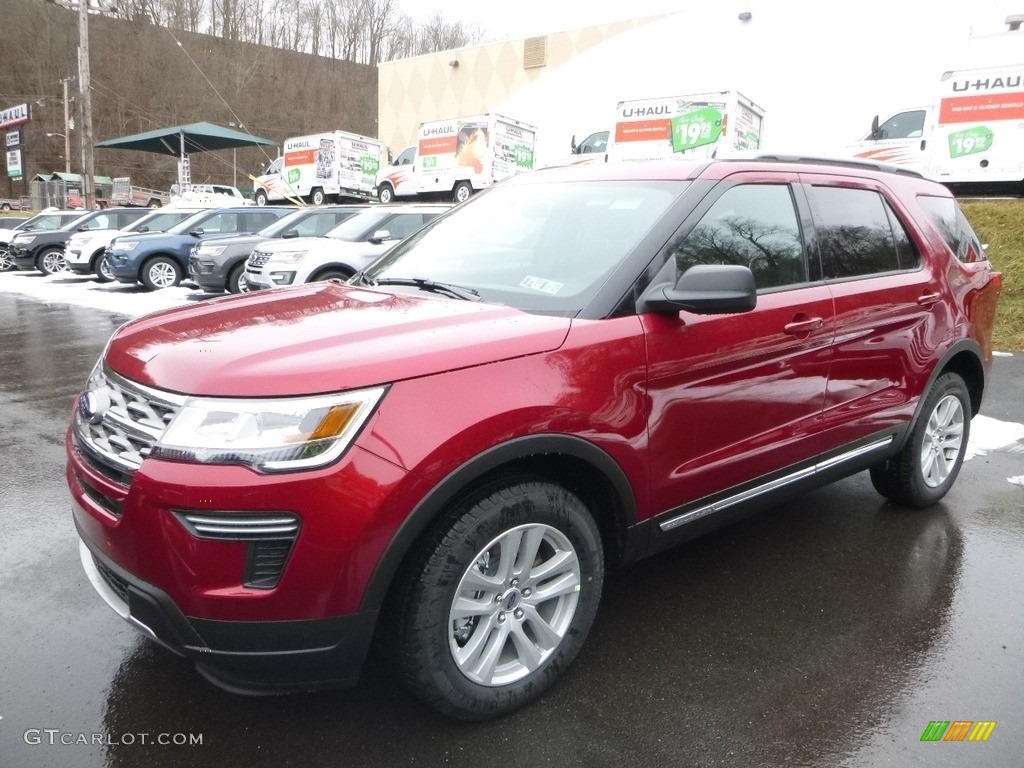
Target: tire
154 203
5 207
462 192
924 471
260 197
503 647
386 193
317 197
101 270
50 261
159 273
336 273
6 263
236 279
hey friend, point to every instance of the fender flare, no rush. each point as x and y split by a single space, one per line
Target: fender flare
964 345
442 494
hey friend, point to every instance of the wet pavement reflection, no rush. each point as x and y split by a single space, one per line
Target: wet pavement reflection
826 632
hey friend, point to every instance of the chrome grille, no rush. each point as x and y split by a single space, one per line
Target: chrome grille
130 419
257 260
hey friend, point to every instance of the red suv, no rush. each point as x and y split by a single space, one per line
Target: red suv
573 370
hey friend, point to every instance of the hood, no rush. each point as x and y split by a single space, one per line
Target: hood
325 337
232 241
295 244
93 234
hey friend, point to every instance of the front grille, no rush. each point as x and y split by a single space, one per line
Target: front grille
115 582
129 419
257 260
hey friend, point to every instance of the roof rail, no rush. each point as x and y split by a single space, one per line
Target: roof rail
837 162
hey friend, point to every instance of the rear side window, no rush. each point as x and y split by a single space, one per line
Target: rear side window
750 225
859 234
949 219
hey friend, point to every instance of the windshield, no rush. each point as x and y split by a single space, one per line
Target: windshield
187 225
544 248
159 221
358 227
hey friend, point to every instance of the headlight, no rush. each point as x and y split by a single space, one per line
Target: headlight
268 435
210 250
288 257
127 245
23 239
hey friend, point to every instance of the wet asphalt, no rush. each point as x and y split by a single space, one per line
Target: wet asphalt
826 632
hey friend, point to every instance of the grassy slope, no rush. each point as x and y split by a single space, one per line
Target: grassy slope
1000 224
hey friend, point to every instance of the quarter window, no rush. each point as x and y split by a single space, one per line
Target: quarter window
947 216
859 234
751 225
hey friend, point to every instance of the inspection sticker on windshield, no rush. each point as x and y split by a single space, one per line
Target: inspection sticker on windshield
540 284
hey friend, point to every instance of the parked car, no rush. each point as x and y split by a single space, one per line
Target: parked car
160 259
42 222
342 252
44 250
571 371
219 265
85 252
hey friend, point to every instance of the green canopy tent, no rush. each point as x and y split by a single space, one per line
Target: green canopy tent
178 141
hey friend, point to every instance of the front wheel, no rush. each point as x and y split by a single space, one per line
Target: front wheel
6 264
498 602
161 272
332 274
386 194
236 279
261 197
462 192
51 261
926 468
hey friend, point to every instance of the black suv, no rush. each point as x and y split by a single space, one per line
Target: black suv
44 250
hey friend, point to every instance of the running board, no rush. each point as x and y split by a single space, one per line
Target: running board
774 485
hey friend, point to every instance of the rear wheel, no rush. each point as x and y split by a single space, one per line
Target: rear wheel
317 197
386 193
102 269
926 468
161 272
51 261
462 192
498 601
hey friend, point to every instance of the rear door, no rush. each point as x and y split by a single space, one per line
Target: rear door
891 314
735 398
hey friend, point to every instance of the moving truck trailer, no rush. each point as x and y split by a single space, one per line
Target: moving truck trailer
320 168
973 135
696 125
455 158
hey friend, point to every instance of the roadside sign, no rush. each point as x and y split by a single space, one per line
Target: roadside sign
13 138
14 163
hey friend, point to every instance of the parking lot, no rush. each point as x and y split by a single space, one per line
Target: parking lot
827 632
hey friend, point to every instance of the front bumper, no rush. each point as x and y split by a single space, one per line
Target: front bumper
209 274
244 657
23 259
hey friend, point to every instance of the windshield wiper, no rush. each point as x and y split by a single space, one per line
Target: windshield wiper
425 284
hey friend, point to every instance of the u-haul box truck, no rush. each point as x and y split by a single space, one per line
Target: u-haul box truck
695 125
459 157
974 134
321 167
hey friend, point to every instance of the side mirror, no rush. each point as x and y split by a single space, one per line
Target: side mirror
379 237
706 289
196 232
572 144
142 229
290 233
876 132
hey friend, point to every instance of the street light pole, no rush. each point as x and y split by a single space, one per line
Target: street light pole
67 130
85 103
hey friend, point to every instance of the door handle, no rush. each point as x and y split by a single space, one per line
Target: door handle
927 299
798 327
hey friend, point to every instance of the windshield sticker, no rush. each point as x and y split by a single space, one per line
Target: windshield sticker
542 285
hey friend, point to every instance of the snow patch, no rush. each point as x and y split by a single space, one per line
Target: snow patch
989 435
1002 354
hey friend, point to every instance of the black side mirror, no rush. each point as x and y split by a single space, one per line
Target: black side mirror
572 145
196 232
290 233
876 132
142 229
379 237
706 289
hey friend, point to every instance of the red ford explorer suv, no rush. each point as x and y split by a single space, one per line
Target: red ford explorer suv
573 370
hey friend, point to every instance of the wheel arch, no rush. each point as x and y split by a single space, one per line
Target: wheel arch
580 466
965 359
333 267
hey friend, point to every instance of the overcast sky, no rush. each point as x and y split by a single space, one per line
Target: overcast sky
522 18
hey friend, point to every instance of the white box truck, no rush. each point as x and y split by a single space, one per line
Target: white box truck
694 125
321 168
972 134
455 158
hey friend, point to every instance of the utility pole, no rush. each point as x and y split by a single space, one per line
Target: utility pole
85 100
67 129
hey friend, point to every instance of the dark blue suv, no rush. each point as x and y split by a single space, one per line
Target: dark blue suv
160 259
